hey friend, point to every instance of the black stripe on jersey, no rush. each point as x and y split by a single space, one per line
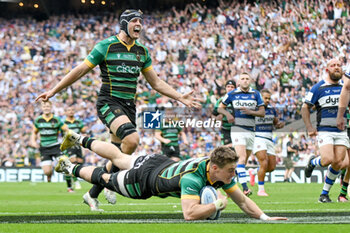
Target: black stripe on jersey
124 89
328 86
121 62
120 48
103 68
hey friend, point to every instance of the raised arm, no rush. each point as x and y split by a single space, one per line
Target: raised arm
164 89
67 80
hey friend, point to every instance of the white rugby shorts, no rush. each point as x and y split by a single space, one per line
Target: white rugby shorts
242 137
333 138
263 144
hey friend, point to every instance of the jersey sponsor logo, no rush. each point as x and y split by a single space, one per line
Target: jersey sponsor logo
265 119
171 131
329 101
244 103
48 132
333 101
128 69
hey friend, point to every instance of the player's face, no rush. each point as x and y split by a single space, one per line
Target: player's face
266 97
70 112
229 88
226 173
46 107
335 70
135 27
244 81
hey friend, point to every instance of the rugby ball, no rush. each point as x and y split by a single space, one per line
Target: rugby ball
208 195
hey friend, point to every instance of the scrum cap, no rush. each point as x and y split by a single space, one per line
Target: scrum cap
126 17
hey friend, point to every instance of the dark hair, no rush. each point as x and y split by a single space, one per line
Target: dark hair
265 91
223 155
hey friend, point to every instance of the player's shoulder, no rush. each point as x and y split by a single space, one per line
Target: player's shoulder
109 40
269 107
138 43
252 90
38 118
56 118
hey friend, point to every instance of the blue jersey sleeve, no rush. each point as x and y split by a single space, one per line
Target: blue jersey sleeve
259 99
227 99
312 96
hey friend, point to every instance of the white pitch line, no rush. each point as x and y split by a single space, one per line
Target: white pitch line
136 204
87 211
307 210
164 211
311 220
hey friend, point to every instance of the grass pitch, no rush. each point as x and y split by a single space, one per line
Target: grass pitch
43 207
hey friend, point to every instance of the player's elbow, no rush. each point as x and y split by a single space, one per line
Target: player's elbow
188 216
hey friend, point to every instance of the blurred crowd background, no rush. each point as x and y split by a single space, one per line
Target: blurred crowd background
285 45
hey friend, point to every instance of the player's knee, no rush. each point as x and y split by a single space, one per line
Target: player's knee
97 176
263 164
125 130
271 167
337 164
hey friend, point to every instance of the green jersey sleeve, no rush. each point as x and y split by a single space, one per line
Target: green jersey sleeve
97 55
191 185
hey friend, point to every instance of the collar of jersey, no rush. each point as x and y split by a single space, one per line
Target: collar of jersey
240 90
207 172
126 45
49 118
71 120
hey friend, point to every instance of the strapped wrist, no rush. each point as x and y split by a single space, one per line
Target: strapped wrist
264 217
219 204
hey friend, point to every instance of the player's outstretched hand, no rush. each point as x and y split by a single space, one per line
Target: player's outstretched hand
45 96
189 100
277 218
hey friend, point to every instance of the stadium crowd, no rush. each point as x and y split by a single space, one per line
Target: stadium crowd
283 44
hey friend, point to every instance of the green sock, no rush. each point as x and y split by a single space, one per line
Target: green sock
344 189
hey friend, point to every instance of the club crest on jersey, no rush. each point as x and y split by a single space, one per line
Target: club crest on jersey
138 57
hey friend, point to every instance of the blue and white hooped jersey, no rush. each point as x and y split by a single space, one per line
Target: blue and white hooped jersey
264 125
251 100
325 97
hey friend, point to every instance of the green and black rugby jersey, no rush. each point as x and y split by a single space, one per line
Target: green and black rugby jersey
186 178
171 133
229 108
120 66
48 129
75 125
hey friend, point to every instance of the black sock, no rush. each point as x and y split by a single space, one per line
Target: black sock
68 180
95 190
87 142
76 170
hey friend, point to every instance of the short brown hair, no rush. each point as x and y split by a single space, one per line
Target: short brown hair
245 73
223 155
265 91
46 101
